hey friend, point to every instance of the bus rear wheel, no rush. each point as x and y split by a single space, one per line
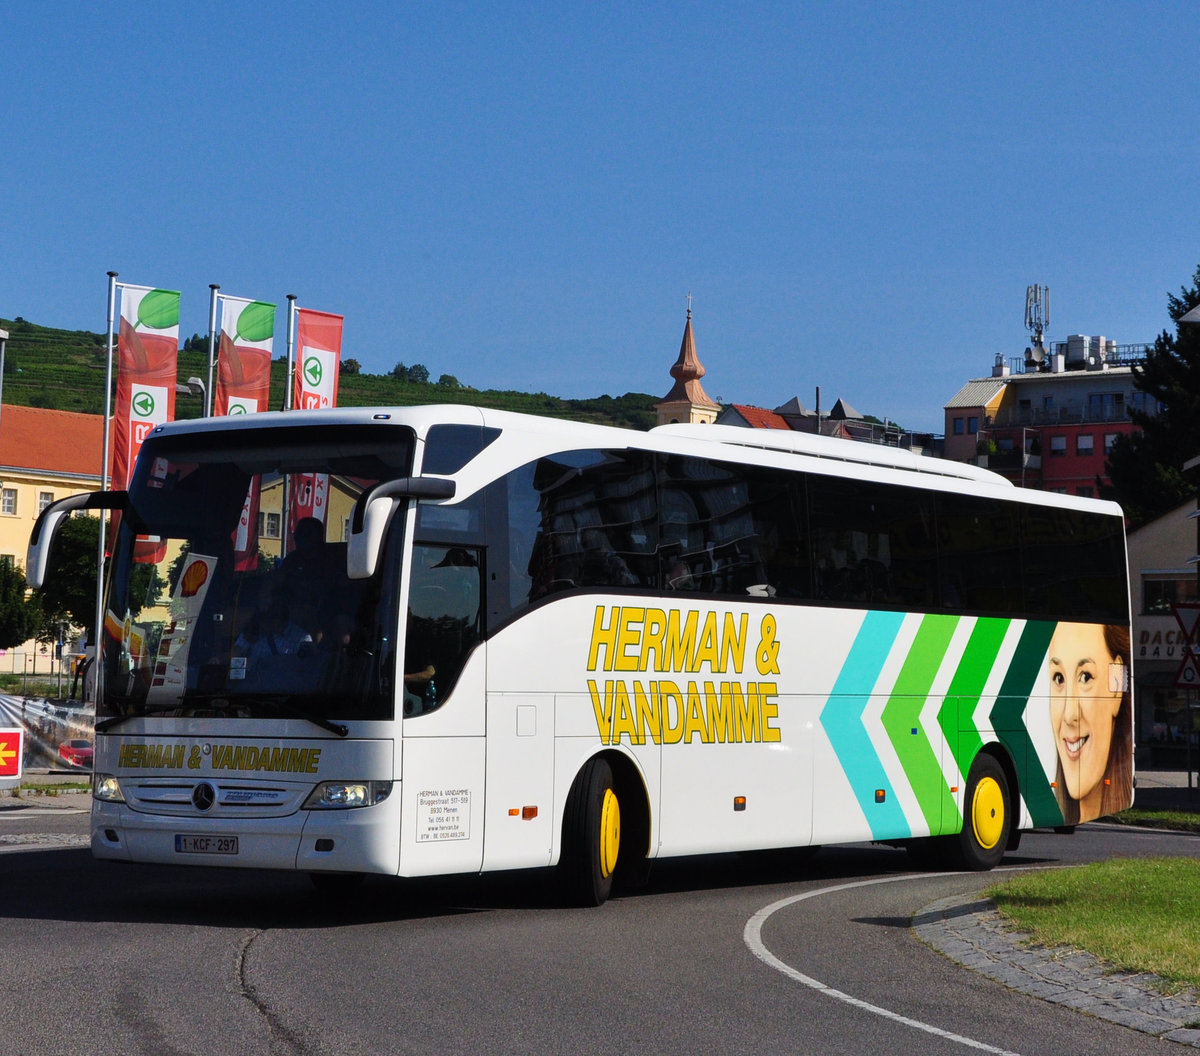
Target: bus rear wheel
591 836
987 816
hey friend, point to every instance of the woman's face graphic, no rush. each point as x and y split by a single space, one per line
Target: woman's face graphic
1086 687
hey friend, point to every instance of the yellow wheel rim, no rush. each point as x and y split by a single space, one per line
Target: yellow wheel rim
987 813
610 833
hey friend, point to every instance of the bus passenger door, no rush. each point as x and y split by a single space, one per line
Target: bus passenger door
444 668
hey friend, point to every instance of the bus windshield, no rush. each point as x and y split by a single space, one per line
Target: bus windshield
228 594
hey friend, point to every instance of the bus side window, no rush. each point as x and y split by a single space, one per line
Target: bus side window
444 614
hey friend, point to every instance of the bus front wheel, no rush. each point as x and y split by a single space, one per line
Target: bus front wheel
591 835
987 816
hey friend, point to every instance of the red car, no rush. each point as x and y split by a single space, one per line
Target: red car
76 753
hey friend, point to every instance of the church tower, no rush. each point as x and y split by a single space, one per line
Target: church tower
687 401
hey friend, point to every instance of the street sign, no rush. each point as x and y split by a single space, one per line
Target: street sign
1189 672
10 755
1187 615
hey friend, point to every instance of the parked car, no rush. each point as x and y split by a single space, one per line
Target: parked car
77 752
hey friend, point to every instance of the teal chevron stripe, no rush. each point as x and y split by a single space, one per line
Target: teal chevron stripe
966 689
842 720
902 719
1009 720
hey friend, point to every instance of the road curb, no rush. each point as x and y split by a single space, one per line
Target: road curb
972 933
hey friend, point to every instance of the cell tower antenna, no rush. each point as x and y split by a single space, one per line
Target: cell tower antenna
1037 319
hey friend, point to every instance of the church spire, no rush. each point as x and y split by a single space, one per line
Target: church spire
687 401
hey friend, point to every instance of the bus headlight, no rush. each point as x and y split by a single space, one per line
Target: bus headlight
107 788
345 795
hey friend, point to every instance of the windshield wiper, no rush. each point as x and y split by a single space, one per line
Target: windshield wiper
271 701
140 713
191 699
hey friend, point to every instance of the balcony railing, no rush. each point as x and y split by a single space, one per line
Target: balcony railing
1002 461
1038 417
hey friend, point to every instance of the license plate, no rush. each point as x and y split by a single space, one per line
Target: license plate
206 844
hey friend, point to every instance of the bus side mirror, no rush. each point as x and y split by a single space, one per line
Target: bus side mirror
373 511
50 519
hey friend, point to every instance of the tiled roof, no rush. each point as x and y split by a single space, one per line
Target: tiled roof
63 442
843 411
977 393
760 417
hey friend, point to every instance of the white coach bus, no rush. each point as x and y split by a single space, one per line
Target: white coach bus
442 639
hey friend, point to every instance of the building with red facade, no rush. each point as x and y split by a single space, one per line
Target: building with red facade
1048 424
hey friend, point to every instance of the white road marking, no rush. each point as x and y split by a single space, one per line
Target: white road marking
752 935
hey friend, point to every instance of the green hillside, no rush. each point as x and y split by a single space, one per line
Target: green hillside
65 370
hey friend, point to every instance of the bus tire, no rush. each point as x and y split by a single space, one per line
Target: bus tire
987 816
591 835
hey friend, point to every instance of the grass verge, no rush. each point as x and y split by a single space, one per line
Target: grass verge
1176 820
1138 915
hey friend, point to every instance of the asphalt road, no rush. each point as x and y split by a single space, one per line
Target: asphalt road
99 957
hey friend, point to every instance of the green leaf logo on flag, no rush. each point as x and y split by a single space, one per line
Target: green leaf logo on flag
256 322
313 371
159 310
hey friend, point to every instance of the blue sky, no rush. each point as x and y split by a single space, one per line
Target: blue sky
523 195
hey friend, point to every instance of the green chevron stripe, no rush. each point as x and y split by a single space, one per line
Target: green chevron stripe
902 719
1008 719
966 689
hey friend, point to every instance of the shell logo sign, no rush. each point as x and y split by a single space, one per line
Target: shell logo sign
193 579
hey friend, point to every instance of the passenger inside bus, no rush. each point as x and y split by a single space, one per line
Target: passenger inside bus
314 575
271 631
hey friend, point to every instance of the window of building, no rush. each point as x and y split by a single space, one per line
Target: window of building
8 500
1109 440
44 499
1158 595
1086 491
1106 406
972 425
268 524
1084 444
1058 446
958 427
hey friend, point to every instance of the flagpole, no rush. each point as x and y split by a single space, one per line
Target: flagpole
99 623
291 350
212 329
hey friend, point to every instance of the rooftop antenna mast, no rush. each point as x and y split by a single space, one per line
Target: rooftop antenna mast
1037 319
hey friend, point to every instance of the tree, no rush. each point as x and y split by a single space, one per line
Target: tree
419 373
448 381
350 366
1146 467
69 592
19 618
400 371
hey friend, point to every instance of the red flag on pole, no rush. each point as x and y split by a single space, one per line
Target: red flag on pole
318 358
147 351
244 387
244 356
